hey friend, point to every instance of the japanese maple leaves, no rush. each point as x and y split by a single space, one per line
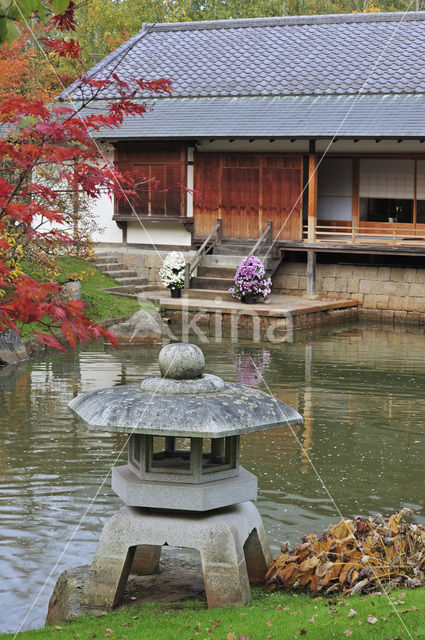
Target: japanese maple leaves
46 151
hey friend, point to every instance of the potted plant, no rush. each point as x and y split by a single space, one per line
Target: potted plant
251 281
172 273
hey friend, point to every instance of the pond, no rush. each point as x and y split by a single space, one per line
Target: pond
360 451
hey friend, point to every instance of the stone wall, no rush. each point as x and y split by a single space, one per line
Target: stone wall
386 293
147 263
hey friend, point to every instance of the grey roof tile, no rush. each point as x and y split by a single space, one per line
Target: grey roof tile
280 116
297 55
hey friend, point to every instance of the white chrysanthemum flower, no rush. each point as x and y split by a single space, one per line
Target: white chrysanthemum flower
172 270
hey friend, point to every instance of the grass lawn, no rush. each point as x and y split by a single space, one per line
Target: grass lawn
100 305
266 617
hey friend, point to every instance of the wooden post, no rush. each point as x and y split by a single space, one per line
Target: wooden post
219 230
311 274
415 200
312 191
122 224
270 231
187 275
355 209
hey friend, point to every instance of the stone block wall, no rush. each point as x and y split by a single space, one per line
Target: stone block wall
385 293
147 263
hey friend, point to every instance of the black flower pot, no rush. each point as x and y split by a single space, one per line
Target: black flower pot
176 293
249 299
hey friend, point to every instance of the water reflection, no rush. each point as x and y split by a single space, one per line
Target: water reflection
359 389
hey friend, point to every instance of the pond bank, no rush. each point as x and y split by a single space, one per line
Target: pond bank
281 315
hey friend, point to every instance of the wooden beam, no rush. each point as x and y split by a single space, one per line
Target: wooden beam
312 196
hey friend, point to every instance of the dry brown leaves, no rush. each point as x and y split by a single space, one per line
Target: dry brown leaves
354 556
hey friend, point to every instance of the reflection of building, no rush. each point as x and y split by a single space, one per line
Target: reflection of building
307 434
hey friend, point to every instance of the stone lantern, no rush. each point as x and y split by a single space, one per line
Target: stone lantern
183 485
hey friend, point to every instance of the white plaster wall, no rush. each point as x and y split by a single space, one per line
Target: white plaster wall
103 209
370 146
158 233
278 146
301 146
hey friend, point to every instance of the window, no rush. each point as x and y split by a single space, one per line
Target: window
387 190
164 166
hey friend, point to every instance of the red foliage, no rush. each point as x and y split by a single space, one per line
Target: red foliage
65 21
64 48
57 139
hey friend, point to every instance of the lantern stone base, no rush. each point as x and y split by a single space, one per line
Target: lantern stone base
179 577
232 544
183 496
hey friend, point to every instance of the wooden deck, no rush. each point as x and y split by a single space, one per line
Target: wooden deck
373 237
335 243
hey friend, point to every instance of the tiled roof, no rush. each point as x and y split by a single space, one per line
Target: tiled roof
377 116
377 53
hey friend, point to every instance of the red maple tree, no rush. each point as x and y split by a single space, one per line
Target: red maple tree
38 141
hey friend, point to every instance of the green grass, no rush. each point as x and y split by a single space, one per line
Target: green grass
266 617
100 304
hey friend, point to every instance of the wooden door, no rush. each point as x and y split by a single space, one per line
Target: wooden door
247 190
207 196
240 202
282 196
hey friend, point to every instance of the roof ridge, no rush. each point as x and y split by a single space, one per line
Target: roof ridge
330 18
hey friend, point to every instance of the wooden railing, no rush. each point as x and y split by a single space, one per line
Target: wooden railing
266 238
391 233
207 245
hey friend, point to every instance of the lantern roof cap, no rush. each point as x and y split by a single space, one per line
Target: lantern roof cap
183 402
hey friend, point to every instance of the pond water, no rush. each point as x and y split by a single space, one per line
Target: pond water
360 451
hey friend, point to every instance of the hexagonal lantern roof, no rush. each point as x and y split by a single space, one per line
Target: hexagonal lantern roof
184 402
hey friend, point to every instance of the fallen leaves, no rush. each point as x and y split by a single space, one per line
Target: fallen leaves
354 556
371 619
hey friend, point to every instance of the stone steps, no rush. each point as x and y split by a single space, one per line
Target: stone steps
105 259
231 261
212 283
208 294
130 282
221 261
233 248
109 266
121 273
228 273
217 272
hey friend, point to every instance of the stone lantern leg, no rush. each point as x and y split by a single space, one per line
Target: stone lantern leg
183 485
232 544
